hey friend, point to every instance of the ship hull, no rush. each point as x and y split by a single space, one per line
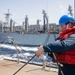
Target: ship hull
28 39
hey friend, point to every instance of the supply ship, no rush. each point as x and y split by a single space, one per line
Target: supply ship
28 34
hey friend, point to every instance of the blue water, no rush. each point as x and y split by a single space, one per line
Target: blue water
9 50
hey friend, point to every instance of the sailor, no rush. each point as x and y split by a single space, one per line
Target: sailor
63 49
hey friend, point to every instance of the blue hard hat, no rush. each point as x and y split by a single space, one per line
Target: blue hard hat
64 19
71 19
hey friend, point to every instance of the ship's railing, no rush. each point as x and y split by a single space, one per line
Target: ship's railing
17 47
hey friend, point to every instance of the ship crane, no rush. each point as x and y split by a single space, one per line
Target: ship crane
38 22
70 10
45 20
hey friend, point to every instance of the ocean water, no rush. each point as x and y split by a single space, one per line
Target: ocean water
24 54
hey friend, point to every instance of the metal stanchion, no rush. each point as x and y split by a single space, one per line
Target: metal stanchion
15 45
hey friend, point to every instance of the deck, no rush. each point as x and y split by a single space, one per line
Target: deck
8 67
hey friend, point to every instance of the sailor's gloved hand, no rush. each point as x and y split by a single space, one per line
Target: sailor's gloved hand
40 51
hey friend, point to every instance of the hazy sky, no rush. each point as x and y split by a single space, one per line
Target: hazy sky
33 8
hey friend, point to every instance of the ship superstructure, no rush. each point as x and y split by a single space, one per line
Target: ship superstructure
10 25
27 34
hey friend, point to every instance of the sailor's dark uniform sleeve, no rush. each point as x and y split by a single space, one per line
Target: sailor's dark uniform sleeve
61 46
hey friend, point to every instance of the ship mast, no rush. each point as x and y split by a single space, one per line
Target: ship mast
7 15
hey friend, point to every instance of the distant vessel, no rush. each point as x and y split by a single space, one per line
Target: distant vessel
34 36
21 34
